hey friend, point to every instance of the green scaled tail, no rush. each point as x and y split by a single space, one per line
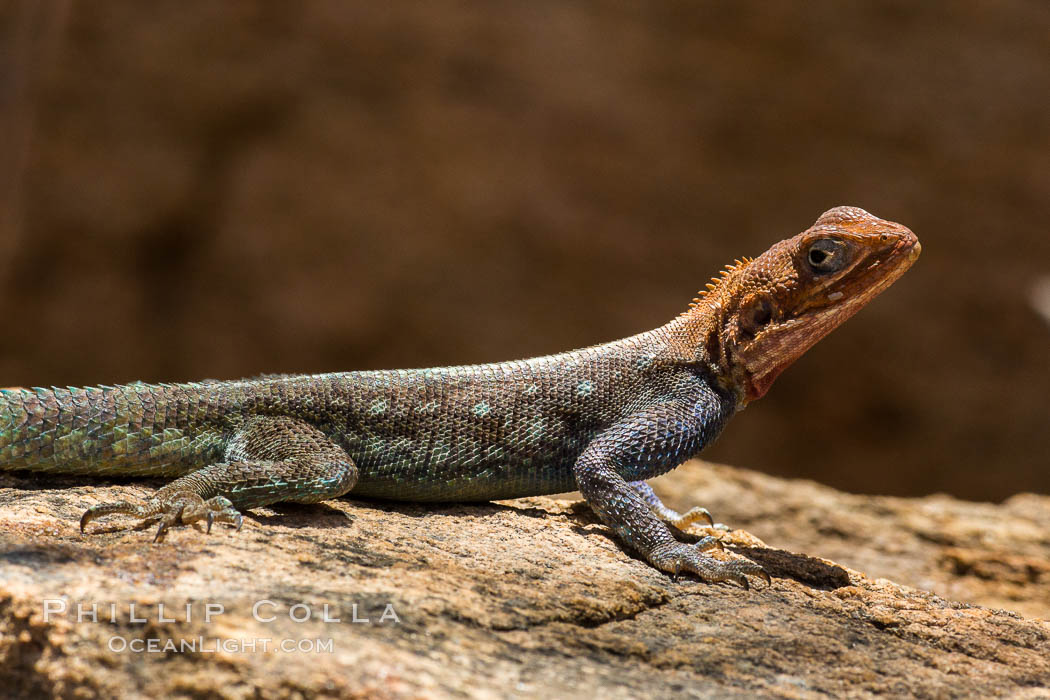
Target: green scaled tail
129 430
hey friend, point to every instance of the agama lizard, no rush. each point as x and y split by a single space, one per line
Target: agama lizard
602 419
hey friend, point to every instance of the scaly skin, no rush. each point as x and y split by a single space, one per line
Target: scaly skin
602 419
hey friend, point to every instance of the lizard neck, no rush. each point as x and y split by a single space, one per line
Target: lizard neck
697 339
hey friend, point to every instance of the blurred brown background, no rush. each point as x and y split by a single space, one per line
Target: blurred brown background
200 189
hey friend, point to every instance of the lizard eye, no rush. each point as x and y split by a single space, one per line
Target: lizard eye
826 255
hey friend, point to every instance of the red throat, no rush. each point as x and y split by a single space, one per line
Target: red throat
758 386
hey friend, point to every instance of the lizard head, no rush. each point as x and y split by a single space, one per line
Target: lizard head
775 307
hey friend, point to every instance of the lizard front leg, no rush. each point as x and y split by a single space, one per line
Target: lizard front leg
270 459
637 448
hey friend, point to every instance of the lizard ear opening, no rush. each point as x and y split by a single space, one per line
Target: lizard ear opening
756 315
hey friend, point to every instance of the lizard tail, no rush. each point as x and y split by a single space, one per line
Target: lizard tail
129 430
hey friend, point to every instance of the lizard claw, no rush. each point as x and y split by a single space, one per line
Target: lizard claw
162 529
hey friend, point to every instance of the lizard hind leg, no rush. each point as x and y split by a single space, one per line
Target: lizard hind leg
269 459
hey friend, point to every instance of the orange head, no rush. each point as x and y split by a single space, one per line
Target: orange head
763 314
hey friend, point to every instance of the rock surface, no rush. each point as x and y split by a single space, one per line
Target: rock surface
529 598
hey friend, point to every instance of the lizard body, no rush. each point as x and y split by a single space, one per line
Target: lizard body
602 419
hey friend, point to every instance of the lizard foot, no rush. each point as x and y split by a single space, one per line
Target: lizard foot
678 557
181 509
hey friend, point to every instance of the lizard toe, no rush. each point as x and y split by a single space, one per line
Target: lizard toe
693 515
708 543
221 510
190 508
177 509
120 507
